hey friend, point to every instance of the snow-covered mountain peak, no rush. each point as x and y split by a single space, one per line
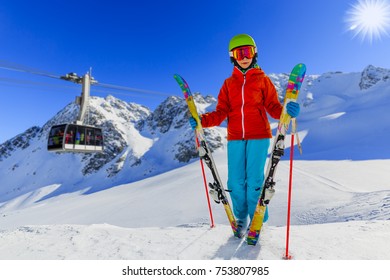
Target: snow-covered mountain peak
371 75
114 108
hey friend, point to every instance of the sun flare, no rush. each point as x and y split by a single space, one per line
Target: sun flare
369 19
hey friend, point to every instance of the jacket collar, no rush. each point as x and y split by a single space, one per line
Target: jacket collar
238 73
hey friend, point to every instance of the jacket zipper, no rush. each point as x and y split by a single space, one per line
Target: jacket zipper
242 108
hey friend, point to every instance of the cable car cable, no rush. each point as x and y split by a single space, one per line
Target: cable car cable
25 69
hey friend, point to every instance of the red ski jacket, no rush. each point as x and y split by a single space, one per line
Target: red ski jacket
244 100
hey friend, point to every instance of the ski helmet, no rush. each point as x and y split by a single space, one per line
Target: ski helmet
241 40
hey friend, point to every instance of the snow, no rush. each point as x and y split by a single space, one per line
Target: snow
340 210
189 242
340 200
332 116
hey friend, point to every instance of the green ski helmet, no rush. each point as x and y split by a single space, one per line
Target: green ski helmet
241 40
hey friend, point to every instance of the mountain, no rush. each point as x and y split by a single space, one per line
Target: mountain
138 144
341 115
345 115
146 190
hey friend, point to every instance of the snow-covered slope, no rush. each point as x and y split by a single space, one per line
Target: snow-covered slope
68 206
346 116
338 212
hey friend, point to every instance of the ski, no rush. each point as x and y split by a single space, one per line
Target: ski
216 189
294 84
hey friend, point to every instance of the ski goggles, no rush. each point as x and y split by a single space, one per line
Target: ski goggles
241 52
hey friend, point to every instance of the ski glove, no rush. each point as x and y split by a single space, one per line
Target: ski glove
293 109
192 122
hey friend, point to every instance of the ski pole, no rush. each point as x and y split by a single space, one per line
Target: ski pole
287 256
205 186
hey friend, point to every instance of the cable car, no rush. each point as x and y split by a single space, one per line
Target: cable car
75 138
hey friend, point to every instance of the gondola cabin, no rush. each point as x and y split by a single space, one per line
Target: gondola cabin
75 138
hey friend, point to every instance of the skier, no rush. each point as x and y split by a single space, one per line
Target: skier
244 99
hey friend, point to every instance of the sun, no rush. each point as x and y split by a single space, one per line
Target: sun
369 19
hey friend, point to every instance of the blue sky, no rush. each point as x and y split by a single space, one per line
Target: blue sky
141 44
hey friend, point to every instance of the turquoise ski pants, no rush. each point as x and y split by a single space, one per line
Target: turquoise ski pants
246 162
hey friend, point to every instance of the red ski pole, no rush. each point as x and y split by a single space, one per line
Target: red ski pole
205 186
287 255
